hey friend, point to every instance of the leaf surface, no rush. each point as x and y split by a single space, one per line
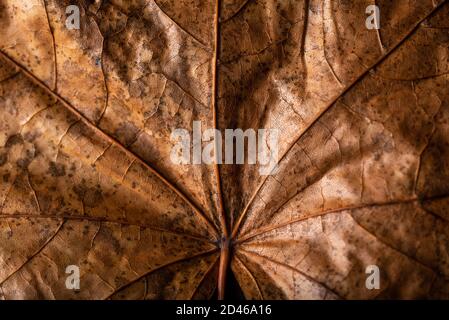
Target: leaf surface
86 177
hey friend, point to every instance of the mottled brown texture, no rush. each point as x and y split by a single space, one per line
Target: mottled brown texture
85 171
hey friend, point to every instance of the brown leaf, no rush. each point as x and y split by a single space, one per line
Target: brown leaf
86 177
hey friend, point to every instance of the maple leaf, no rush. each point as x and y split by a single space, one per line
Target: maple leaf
85 171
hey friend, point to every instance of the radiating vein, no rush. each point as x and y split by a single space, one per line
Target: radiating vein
36 253
109 138
332 103
293 269
201 281
181 28
102 220
160 267
55 71
392 247
221 212
251 275
243 238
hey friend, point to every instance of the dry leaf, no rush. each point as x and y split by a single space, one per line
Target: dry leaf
85 171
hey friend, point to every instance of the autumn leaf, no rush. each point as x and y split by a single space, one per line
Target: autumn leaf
86 177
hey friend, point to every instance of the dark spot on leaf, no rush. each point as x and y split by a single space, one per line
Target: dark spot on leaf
6 177
56 169
13 140
3 159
